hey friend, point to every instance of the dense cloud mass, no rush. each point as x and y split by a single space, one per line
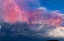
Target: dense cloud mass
22 17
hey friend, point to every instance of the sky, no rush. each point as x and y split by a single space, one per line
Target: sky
53 4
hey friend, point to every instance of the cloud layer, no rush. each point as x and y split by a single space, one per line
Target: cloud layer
32 18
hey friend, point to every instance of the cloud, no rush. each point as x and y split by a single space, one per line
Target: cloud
57 32
49 23
29 18
14 10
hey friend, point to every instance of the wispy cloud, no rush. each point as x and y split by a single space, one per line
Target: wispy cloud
38 19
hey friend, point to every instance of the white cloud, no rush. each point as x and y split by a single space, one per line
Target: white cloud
57 32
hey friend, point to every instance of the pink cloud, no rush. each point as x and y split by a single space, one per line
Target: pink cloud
12 13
